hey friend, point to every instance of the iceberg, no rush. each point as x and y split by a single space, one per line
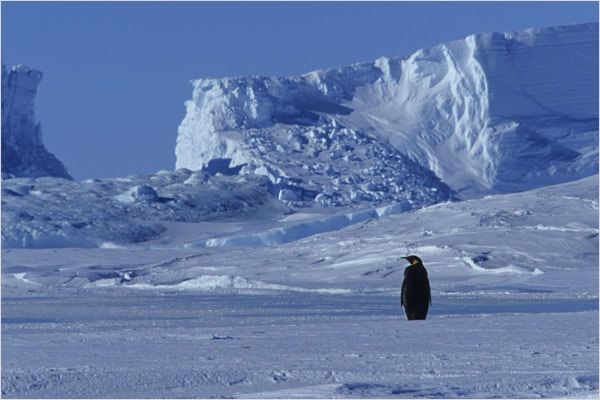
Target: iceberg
23 152
492 113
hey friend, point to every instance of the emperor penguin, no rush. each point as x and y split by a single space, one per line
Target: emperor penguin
416 293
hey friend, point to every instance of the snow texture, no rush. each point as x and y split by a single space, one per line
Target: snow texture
491 113
514 315
23 153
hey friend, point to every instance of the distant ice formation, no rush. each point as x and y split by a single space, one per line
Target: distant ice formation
491 113
23 153
54 212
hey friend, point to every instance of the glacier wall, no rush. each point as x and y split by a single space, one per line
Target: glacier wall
490 113
543 71
23 152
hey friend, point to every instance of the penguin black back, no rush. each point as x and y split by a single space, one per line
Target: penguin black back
416 293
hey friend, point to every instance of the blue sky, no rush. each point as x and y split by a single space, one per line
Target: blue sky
116 74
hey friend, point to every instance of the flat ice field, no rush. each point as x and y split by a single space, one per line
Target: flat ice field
515 307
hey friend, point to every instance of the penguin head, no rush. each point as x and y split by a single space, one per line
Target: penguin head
413 260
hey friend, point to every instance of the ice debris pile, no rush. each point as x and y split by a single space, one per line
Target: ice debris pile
309 156
490 113
55 212
23 153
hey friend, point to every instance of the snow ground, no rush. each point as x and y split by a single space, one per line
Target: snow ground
294 345
515 308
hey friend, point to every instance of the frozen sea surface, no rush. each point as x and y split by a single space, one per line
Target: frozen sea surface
515 308
111 344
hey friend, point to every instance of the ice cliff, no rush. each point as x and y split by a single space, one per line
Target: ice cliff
494 112
23 153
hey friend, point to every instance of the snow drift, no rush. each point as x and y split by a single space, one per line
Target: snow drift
23 153
297 231
490 113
